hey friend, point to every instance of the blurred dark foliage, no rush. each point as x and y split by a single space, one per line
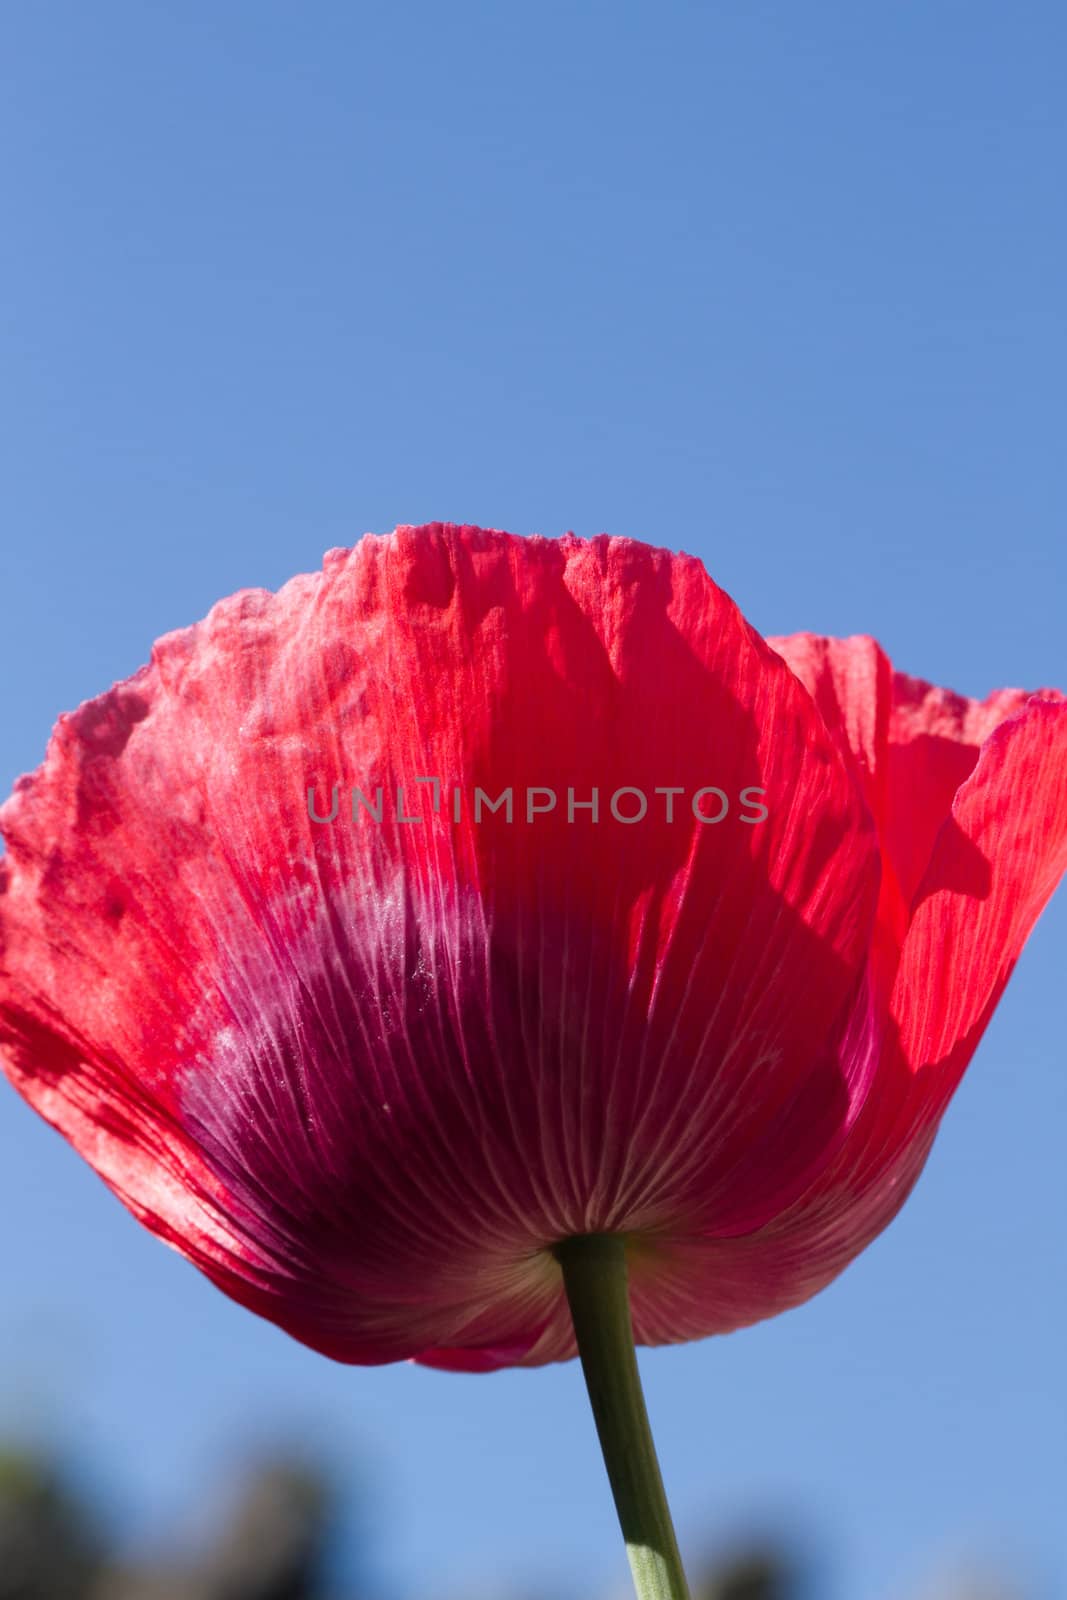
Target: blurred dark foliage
47 1546
275 1543
751 1575
272 1546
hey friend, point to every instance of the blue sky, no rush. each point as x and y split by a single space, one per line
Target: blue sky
778 285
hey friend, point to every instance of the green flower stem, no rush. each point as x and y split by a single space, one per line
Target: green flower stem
594 1275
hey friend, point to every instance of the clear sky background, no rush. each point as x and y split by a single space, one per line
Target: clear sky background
780 285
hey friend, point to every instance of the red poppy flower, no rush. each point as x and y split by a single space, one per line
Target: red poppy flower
707 983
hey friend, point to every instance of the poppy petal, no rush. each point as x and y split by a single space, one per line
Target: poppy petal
362 1073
